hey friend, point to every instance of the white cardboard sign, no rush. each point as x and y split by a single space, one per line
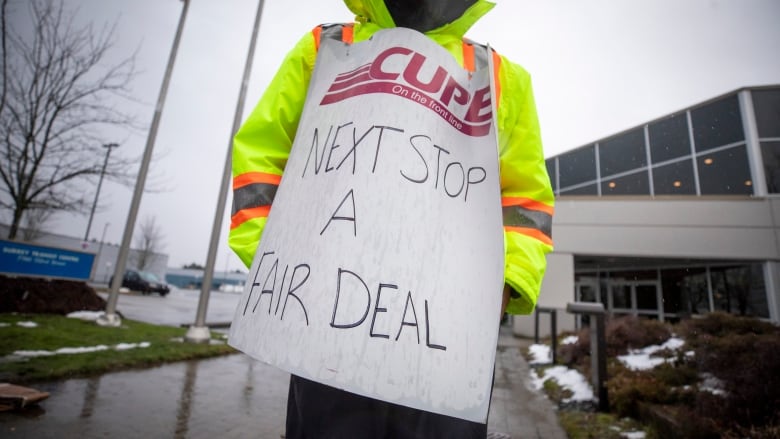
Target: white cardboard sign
380 269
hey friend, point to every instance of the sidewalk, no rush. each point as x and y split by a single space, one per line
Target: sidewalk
515 408
235 397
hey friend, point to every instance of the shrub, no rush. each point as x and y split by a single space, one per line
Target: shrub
674 421
628 389
747 365
621 334
744 354
765 432
718 324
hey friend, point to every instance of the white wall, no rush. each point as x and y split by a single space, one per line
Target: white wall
557 290
695 227
743 228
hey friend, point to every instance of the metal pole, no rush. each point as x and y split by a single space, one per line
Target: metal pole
199 332
110 318
554 334
536 326
100 250
598 347
108 147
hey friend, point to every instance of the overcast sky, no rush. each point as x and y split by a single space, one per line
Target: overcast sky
599 67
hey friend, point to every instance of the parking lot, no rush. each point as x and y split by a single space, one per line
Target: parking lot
179 307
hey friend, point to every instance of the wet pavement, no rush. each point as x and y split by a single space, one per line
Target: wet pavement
232 396
178 307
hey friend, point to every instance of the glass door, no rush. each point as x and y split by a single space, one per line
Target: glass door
585 290
638 298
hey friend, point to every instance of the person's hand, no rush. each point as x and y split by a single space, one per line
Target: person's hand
504 300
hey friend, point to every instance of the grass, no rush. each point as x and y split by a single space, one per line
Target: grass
590 425
54 332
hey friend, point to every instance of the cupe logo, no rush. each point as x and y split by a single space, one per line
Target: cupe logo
397 71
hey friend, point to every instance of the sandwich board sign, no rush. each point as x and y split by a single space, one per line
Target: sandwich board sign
380 268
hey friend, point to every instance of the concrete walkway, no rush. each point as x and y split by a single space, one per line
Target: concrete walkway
515 408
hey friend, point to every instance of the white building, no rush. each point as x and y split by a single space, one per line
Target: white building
675 217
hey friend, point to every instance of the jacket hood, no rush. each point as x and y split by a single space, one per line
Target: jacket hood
375 11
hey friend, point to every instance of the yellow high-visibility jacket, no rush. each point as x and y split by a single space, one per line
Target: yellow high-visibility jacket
263 143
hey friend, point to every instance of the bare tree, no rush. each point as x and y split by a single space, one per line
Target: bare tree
58 97
148 242
34 223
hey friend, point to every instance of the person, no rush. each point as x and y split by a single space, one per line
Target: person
261 148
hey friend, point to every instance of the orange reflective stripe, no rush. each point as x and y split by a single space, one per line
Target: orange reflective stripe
245 215
255 177
496 69
533 233
317 33
468 57
347 33
527 203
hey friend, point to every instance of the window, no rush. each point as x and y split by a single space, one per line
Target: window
740 290
767 107
621 296
674 179
590 189
646 297
632 184
669 138
551 172
623 153
725 172
717 124
770 151
685 291
578 166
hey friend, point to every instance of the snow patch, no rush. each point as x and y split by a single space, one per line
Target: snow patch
642 359
540 354
633 435
85 315
81 350
27 324
572 339
25 354
568 379
710 383
30 354
126 346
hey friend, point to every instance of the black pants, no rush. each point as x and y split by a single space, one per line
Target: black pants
317 411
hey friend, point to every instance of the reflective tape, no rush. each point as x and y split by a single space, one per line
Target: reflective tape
253 195
517 216
245 215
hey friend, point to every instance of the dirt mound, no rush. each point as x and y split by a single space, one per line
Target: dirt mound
43 296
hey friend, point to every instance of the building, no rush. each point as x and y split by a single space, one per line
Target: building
192 278
675 217
106 254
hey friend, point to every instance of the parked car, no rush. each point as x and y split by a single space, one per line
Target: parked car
144 282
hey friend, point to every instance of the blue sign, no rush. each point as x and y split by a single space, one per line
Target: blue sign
35 260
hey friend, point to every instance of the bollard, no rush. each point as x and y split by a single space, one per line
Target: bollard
553 329
598 348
